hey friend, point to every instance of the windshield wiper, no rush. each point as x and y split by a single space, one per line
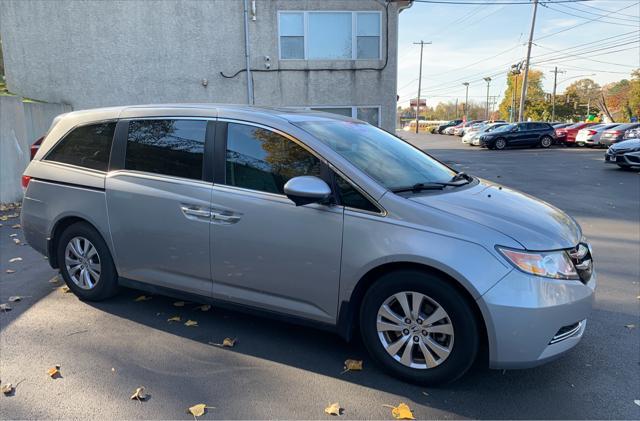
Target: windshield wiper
424 186
461 176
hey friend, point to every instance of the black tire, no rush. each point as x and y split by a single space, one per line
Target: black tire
466 332
107 284
546 142
500 144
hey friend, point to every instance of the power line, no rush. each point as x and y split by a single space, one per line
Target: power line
495 2
583 17
564 6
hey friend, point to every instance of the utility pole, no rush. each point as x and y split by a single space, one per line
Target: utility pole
523 97
488 80
466 101
456 108
422 43
553 98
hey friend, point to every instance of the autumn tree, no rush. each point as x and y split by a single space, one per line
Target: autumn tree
536 101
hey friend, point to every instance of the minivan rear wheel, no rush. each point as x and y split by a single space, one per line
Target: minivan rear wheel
418 327
86 264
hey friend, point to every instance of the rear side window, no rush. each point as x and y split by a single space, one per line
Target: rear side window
167 147
87 146
260 159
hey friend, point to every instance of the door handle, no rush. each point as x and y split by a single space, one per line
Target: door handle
195 212
224 218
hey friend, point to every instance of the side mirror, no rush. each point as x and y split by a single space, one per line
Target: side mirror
306 189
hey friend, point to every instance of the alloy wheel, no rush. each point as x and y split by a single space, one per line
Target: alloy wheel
546 142
415 330
500 144
82 262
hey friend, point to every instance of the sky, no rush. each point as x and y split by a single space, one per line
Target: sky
470 42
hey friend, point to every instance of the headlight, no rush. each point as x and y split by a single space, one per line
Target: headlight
551 264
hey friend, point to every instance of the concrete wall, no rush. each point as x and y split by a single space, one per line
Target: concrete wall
21 123
99 53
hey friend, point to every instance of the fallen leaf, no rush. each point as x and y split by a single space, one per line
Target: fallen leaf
54 372
352 365
64 289
10 271
139 394
15 299
637 402
174 319
178 304
199 409
189 323
15 259
630 326
333 409
16 226
113 370
5 307
7 388
425 393
16 241
401 412
142 298
13 235
229 343
204 307
54 280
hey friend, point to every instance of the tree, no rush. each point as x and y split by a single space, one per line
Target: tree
634 94
535 102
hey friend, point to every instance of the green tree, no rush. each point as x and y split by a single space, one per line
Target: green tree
634 94
536 103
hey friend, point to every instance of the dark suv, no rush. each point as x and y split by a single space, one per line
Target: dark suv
519 134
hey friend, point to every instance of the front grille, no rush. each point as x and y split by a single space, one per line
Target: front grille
566 332
583 261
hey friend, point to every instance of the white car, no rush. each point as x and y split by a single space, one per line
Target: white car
471 131
474 140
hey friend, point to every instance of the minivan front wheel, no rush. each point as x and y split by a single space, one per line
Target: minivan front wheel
85 263
419 327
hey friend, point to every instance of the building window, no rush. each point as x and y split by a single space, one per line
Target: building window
369 114
329 35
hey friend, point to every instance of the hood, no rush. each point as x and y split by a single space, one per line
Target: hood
533 223
625 146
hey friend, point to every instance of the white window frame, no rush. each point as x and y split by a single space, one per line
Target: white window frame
354 34
354 109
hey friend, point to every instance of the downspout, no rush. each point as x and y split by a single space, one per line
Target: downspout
247 55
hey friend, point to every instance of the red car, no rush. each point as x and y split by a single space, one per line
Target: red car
567 135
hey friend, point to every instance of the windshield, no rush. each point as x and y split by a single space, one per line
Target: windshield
387 159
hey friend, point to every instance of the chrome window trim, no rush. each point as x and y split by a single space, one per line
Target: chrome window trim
383 212
73 167
159 177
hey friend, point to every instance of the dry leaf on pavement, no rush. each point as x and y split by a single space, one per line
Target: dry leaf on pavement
5 307
64 289
401 412
630 326
227 343
204 307
16 226
637 402
7 388
54 280
333 409
199 409
54 372
142 298
139 394
15 298
10 271
178 304
174 319
13 235
352 365
15 259
189 323
16 241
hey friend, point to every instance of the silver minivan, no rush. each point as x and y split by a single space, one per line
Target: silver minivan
320 218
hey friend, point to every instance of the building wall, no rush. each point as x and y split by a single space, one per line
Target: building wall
98 53
21 123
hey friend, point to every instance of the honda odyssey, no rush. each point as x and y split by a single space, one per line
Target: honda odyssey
320 218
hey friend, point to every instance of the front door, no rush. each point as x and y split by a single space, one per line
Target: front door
158 205
266 251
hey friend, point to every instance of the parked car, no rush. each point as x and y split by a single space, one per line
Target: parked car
471 130
315 217
460 130
567 135
519 134
590 136
611 136
450 130
625 154
475 139
448 124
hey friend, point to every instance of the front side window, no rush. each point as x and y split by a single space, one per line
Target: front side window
87 146
387 159
167 147
259 159
352 198
329 35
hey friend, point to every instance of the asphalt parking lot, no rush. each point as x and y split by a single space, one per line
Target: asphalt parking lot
277 370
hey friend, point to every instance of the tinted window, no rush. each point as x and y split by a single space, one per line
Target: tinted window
351 197
168 147
86 146
260 159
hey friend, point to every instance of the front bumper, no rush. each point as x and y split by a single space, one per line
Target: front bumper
527 318
630 159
